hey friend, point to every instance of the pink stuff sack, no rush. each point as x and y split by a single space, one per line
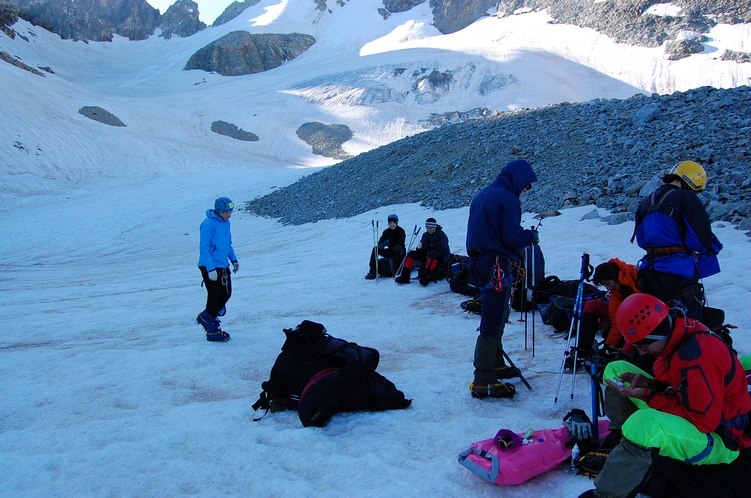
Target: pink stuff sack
547 449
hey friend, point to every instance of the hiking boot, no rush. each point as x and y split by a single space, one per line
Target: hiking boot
404 277
499 390
506 372
218 336
370 276
424 281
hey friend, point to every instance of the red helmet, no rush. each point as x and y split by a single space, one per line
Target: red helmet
639 315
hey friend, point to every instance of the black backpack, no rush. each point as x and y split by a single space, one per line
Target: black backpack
307 351
348 389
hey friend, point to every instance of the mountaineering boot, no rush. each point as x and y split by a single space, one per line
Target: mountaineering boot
503 371
214 333
485 383
370 275
406 271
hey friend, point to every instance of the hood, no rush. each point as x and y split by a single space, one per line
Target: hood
516 175
210 213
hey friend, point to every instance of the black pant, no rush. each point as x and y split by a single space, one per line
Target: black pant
666 286
218 291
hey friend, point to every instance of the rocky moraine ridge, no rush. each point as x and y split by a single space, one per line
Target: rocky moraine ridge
607 153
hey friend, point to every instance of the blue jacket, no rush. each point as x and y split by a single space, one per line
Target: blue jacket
495 214
216 242
656 229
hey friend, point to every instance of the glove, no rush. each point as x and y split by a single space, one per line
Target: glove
383 245
579 426
535 237
235 266
213 275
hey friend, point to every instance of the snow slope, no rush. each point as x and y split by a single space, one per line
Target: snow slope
108 385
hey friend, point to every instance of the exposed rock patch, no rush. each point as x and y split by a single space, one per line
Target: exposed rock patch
5 56
240 52
181 19
232 131
326 140
101 115
233 10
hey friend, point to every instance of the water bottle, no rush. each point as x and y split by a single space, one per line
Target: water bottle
574 457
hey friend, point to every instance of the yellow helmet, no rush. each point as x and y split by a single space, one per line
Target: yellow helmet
692 173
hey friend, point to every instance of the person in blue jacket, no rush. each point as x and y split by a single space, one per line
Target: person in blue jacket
495 235
674 228
216 253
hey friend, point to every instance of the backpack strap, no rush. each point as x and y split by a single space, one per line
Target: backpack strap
666 210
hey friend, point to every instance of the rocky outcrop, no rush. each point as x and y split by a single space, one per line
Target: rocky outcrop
450 16
8 17
630 21
232 131
240 52
96 20
233 10
5 56
181 19
326 140
100 115
604 152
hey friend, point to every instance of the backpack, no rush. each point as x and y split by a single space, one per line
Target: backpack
535 273
562 307
349 389
309 354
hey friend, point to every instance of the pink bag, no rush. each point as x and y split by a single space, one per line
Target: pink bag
511 463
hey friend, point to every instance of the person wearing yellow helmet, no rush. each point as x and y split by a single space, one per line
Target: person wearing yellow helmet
673 227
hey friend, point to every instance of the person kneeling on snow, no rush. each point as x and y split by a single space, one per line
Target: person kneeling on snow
432 252
694 410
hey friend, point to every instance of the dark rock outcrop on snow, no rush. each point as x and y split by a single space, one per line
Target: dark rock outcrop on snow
232 131
326 140
450 16
101 115
603 152
233 10
240 52
626 22
5 56
8 17
95 20
181 19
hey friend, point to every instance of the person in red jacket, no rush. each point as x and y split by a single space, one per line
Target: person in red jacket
695 409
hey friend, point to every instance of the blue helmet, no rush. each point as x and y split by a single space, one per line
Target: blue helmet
223 205
393 217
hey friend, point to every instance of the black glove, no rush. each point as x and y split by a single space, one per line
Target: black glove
579 426
383 245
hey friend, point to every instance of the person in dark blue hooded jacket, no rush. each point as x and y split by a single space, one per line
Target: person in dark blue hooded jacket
495 234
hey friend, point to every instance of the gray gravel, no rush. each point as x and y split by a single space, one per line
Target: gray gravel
603 152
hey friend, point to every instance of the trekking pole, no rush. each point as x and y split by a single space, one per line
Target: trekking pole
505 355
531 295
523 297
584 273
412 238
374 228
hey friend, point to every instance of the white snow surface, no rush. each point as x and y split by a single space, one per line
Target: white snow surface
108 386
